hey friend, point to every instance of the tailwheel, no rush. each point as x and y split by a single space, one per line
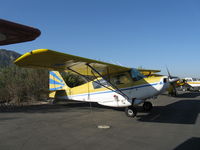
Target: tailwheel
131 111
147 106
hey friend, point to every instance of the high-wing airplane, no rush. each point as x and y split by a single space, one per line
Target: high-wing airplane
191 84
111 85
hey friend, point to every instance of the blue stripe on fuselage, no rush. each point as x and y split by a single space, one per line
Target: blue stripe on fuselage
130 88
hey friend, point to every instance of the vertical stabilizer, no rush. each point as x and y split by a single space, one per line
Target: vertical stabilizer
57 86
56 81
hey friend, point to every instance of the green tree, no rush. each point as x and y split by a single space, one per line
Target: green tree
20 84
26 85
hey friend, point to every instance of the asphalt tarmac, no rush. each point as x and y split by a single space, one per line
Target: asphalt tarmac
173 124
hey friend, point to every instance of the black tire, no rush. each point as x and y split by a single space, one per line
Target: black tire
131 111
147 106
55 101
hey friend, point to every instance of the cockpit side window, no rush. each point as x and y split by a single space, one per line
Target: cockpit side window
120 79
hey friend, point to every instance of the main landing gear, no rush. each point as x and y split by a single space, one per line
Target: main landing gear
131 111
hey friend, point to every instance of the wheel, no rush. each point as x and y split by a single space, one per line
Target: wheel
131 111
55 101
147 106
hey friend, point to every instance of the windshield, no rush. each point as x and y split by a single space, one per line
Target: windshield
136 75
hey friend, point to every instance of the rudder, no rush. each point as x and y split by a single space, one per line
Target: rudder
57 85
56 81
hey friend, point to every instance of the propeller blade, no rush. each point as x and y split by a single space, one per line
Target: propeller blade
171 78
168 73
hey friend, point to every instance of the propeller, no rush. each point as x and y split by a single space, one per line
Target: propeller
172 81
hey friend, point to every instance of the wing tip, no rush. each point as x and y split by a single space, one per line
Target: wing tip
19 60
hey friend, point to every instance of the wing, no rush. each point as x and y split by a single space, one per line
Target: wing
148 72
11 33
52 60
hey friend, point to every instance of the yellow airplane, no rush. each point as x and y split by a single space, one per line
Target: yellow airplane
191 84
111 85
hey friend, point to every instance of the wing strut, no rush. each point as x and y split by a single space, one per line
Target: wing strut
115 87
112 85
98 82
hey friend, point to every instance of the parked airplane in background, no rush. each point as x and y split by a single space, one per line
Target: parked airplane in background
191 84
110 85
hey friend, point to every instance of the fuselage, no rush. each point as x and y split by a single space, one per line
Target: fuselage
129 90
193 82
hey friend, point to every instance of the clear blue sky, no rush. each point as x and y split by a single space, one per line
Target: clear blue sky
147 33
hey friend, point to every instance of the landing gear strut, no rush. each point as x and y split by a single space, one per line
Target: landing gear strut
131 111
147 106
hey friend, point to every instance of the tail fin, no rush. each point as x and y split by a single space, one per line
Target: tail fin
57 85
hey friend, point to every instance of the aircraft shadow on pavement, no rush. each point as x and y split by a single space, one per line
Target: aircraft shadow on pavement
192 143
188 95
46 108
180 112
